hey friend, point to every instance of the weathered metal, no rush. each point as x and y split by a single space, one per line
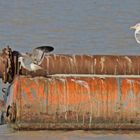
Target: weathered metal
8 64
89 64
70 64
96 102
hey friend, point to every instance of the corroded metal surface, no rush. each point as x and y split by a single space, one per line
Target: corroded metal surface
7 65
70 64
89 64
76 102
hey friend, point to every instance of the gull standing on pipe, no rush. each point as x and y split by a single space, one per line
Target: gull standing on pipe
31 62
137 32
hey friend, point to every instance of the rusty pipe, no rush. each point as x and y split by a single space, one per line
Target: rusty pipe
8 64
92 64
75 102
88 64
71 64
2 65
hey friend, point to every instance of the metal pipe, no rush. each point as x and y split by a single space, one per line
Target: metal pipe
89 64
75 102
2 64
7 65
70 64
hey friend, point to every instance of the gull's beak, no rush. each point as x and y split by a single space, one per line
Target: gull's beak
133 27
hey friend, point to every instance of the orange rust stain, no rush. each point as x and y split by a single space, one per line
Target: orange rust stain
37 85
15 89
129 99
103 97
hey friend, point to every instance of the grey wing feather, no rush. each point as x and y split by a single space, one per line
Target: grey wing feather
27 60
39 53
45 49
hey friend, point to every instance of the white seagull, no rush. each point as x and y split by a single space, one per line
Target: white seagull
137 32
31 62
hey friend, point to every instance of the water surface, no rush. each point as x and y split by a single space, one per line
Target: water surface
71 26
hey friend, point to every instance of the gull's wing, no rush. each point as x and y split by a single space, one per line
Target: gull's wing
45 49
137 36
27 57
39 52
27 60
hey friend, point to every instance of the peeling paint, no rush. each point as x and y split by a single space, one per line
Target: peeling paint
73 64
77 102
102 63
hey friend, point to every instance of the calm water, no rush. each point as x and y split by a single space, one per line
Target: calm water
71 26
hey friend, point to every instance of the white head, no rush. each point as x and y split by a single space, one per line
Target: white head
20 59
136 27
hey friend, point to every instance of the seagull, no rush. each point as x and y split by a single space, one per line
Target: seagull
137 32
28 64
31 62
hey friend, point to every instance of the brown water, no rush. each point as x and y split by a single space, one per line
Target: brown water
71 26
